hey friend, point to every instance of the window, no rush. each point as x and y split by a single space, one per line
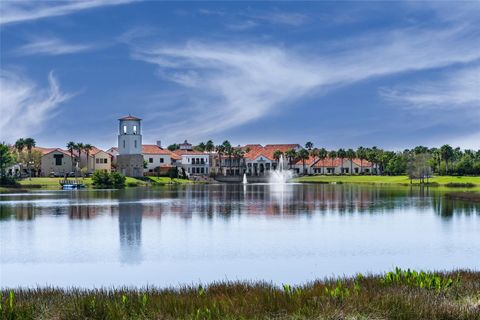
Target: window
150 160
135 143
105 160
161 160
124 144
134 129
58 159
124 129
97 160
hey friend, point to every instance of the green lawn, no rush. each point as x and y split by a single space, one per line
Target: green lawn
403 180
54 183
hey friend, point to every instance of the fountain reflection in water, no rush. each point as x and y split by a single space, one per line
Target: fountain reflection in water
244 181
279 188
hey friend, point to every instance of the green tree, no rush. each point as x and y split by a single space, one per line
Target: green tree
291 155
277 154
350 154
447 154
87 148
332 155
29 144
322 155
209 146
228 150
79 147
200 147
71 147
173 147
342 154
361 154
303 155
6 160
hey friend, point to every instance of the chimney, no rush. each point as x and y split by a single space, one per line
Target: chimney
159 143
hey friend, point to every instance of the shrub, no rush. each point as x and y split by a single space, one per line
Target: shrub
103 179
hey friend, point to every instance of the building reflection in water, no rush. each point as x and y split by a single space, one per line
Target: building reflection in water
228 200
130 229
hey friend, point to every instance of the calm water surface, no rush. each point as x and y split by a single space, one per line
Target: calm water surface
205 233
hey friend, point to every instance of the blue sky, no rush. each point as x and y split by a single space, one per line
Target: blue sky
340 74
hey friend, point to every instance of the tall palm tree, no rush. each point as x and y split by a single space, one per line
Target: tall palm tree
87 148
361 154
322 155
447 154
342 154
290 154
309 145
29 144
332 155
19 146
351 155
220 149
238 155
437 157
229 152
79 147
71 146
303 155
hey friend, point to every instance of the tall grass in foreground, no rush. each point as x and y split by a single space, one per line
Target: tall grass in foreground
400 294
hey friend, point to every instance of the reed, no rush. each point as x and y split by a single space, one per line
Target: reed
399 294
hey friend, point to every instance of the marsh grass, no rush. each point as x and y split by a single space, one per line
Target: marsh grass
400 294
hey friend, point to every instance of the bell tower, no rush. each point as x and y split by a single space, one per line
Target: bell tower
130 158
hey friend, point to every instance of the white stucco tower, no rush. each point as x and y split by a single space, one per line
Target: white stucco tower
130 158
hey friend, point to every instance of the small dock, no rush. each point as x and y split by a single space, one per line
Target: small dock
67 184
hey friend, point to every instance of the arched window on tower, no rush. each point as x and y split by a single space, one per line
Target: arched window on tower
135 142
134 129
124 129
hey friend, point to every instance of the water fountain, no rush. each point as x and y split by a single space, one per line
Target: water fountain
244 181
280 175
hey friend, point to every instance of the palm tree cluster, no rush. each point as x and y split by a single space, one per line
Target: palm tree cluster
235 157
79 147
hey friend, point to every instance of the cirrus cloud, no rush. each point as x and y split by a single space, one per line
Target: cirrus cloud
24 106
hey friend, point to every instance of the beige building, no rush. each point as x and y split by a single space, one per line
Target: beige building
101 160
55 161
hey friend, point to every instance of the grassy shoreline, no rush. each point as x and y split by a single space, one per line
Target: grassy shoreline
438 181
54 183
399 294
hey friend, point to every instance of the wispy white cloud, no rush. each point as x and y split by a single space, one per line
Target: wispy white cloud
244 20
24 107
18 11
459 89
234 83
287 18
51 46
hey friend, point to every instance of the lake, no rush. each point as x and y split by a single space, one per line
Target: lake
203 233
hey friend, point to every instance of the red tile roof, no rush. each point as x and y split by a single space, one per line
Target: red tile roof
257 150
129 117
45 151
154 149
327 162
